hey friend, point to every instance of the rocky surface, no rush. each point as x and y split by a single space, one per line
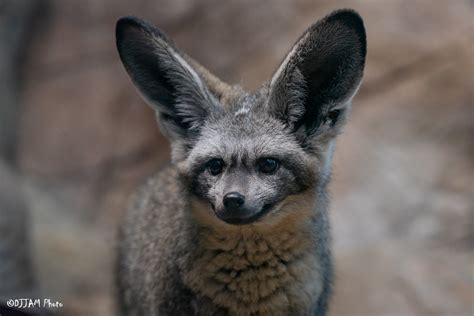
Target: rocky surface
402 189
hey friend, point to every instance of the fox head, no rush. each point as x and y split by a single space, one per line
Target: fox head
244 156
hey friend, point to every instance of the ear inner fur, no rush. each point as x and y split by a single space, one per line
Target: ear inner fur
322 72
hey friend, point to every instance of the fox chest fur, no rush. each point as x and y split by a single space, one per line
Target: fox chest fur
255 272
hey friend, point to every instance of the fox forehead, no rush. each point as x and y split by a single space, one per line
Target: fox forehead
242 134
237 101
248 102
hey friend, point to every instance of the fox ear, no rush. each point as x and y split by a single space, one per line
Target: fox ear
312 89
164 77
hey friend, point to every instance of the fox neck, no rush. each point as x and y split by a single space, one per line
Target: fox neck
269 268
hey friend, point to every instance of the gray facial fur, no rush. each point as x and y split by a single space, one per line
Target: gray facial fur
241 138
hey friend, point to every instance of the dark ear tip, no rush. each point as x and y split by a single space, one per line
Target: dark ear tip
125 24
129 20
128 23
347 16
351 19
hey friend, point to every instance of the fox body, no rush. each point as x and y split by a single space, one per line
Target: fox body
238 223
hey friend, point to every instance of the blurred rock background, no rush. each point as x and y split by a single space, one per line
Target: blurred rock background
76 139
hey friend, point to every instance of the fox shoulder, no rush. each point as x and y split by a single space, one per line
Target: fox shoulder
152 239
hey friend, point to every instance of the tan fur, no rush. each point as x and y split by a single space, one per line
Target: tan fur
262 268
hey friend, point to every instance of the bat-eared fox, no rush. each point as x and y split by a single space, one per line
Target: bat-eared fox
238 223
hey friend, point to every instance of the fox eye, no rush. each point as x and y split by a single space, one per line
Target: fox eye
268 165
215 166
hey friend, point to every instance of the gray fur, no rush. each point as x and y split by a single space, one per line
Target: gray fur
177 256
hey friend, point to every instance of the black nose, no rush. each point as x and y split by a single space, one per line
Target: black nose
234 200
